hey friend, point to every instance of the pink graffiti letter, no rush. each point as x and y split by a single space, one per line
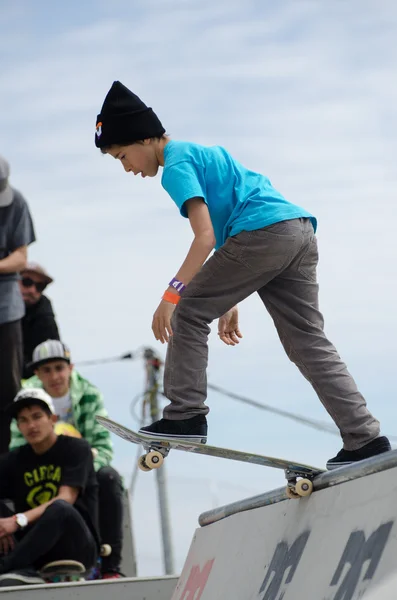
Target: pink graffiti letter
197 581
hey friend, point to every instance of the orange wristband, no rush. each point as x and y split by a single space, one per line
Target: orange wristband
170 297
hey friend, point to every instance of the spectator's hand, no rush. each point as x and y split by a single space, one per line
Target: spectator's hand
8 526
228 329
7 544
161 324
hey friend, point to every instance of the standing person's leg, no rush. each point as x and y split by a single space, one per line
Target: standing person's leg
60 533
11 352
243 265
291 298
110 502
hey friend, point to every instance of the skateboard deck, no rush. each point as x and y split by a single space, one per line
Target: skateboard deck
299 476
61 571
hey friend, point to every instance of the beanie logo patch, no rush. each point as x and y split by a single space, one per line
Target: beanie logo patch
98 130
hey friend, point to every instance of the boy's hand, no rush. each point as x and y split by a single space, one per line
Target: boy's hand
8 526
228 329
7 544
161 324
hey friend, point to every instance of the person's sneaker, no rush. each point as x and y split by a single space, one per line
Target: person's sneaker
193 430
20 577
346 457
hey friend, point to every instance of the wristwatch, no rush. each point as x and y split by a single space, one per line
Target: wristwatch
21 520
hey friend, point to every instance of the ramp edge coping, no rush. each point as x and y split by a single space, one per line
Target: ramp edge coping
363 468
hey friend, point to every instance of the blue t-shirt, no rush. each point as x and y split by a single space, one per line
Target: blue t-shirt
238 199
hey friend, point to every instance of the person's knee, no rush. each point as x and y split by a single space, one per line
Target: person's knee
107 476
60 508
191 313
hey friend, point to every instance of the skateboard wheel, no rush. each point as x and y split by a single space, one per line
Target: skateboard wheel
154 459
291 494
106 550
304 487
142 464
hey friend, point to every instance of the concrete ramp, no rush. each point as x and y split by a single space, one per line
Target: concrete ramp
338 544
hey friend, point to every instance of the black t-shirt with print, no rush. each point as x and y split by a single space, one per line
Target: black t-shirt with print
30 479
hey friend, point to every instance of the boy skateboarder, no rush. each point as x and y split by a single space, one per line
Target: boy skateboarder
263 244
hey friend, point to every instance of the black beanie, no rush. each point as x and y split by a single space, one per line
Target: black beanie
124 119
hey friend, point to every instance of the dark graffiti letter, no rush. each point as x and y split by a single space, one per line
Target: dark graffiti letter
357 552
284 558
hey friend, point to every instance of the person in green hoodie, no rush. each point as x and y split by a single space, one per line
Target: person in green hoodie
77 402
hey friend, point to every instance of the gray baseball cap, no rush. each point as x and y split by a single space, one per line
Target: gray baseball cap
6 193
48 351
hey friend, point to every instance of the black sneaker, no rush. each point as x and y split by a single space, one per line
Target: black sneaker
20 577
194 429
346 457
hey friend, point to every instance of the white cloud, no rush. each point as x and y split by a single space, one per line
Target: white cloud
304 92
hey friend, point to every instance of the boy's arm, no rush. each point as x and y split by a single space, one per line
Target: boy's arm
66 492
203 243
202 246
96 435
15 261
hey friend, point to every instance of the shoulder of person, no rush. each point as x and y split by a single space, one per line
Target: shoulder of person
19 202
74 445
82 386
179 151
18 455
44 306
32 382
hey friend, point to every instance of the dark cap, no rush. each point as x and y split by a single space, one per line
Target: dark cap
125 119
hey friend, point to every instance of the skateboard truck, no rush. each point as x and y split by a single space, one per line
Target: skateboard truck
154 457
156 452
298 488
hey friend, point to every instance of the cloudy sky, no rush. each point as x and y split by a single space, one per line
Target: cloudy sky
303 91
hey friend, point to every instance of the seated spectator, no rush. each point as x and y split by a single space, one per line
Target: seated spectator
38 324
52 484
77 402
16 233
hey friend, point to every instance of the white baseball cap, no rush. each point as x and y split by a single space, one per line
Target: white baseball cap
29 396
6 193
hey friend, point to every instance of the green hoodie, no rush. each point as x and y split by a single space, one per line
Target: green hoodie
87 401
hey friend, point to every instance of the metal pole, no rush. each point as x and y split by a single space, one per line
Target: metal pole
152 370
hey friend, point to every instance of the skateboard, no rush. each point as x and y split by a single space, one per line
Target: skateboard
299 476
61 571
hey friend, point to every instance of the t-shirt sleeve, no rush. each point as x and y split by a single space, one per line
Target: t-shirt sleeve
22 233
75 472
184 181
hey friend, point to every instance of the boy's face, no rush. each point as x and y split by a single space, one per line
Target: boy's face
140 159
35 424
55 377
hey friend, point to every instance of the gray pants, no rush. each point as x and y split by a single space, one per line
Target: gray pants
279 262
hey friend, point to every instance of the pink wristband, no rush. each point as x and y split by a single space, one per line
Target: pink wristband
176 284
